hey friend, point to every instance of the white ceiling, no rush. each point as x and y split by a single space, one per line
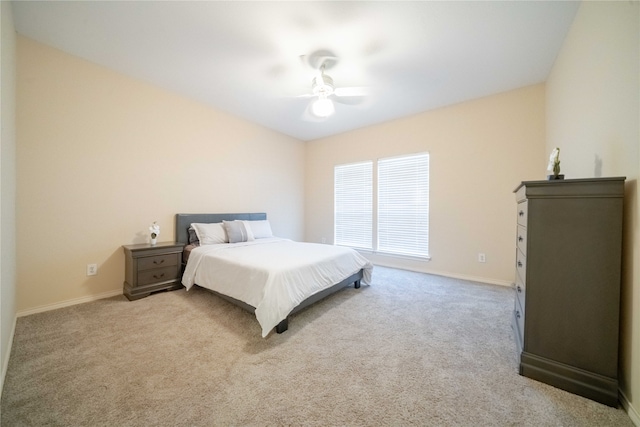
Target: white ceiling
244 57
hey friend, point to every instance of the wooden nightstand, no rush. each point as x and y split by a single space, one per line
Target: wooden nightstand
150 268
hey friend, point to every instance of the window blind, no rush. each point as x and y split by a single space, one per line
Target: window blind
403 205
353 204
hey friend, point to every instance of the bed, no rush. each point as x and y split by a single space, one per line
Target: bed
268 276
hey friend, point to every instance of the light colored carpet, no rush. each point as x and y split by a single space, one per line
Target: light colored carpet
411 349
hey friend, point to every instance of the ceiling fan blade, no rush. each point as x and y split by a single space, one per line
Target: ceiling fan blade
348 100
351 91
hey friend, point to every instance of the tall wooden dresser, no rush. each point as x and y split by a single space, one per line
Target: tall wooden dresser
568 263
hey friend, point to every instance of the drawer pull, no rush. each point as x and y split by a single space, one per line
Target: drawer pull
155 261
155 276
520 239
518 314
519 289
521 213
519 264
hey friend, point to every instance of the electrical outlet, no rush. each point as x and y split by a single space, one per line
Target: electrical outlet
482 257
92 269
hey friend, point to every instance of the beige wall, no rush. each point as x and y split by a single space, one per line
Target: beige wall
479 152
593 112
100 156
8 185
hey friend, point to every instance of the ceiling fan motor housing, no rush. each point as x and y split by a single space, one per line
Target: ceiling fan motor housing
322 85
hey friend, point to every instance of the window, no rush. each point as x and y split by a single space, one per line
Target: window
403 205
353 204
401 218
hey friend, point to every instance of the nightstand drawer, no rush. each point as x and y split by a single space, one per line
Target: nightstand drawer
158 261
157 275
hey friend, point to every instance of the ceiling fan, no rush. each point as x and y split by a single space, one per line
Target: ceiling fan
323 89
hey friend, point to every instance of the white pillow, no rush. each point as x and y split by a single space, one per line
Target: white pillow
261 229
210 234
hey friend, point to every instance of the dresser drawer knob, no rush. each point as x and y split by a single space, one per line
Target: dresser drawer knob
521 213
518 314
155 276
519 289
519 263
520 238
155 261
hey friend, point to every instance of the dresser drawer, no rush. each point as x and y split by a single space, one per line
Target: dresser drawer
165 260
519 321
157 275
523 208
520 291
521 266
521 240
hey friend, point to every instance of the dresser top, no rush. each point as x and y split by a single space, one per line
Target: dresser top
584 187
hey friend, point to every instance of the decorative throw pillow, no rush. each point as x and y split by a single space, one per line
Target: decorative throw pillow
261 229
193 237
247 226
236 231
210 234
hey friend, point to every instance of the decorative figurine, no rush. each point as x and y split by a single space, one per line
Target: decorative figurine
155 230
554 165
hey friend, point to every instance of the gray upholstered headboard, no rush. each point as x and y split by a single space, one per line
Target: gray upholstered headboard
183 221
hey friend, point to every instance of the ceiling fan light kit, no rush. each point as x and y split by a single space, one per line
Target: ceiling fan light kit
323 107
323 88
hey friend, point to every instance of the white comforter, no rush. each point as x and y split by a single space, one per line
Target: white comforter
273 275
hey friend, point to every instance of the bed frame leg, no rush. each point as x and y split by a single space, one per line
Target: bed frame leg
357 284
282 326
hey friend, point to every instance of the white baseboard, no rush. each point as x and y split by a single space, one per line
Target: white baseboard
631 411
5 364
476 279
446 274
69 303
